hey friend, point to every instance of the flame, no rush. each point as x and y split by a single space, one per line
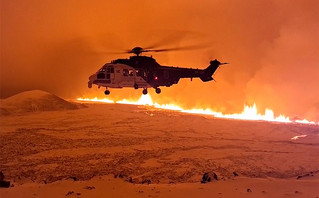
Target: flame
249 112
104 100
144 100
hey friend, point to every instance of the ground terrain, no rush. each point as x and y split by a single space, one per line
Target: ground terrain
137 151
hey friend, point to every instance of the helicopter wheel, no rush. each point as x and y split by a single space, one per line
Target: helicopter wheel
107 92
144 91
157 90
135 86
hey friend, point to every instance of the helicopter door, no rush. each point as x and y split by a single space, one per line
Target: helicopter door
110 73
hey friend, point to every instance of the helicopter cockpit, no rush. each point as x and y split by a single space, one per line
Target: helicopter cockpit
105 71
101 73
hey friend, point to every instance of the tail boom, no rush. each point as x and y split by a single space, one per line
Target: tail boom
210 70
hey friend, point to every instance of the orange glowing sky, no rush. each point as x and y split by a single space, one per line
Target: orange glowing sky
273 48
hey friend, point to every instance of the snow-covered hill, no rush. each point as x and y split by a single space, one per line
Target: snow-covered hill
34 101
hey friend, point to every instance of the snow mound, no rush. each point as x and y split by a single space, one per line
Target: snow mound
34 101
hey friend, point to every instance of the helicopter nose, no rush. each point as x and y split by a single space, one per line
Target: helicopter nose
91 80
90 84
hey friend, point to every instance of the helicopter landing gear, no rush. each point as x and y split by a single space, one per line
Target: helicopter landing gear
144 91
157 90
135 86
107 92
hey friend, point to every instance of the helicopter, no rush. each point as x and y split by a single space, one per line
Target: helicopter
144 72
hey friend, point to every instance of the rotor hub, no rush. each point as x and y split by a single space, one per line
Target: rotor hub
137 50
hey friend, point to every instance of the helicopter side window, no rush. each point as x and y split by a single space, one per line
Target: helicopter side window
139 72
125 72
131 72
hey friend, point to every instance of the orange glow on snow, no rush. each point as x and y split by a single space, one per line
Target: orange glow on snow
298 136
304 121
249 112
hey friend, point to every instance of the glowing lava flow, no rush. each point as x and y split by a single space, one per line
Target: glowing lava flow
249 113
104 100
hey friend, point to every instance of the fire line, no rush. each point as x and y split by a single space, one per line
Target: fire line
249 112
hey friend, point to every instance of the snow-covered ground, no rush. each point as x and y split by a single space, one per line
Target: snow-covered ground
117 150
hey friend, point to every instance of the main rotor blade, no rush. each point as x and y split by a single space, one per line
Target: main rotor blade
191 47
110 52
175 37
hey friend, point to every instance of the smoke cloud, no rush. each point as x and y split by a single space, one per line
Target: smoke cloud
272 48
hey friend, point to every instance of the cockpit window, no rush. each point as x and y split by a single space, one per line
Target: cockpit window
110 69
101 76
103 69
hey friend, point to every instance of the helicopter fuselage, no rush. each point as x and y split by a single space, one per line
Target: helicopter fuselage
144 72
118 76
